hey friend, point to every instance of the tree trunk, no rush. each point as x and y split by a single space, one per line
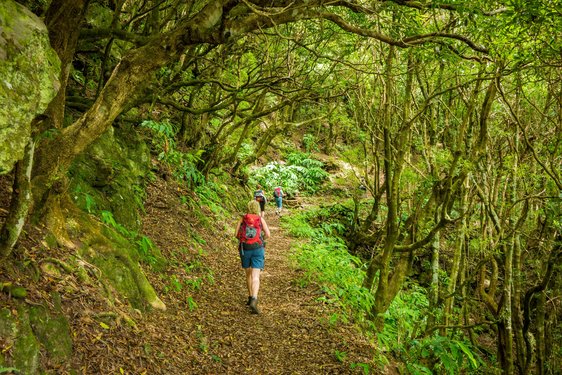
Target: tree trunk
434 287
540 336
392 171
457 256
62 20
506 313
19 206
129 78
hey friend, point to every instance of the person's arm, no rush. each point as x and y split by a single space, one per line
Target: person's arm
237 229
265 228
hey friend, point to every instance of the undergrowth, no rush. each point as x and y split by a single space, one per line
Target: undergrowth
301 174
324 257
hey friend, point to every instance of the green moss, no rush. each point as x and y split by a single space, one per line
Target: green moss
53 332
27 331
26 61
26 346
7 324
7 331
121 277
111 175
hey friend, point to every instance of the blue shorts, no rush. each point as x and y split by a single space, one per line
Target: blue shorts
253 258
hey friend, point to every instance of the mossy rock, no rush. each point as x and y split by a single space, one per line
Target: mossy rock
116 256
31 329
111 175
53 332
16 331
8 330
29 68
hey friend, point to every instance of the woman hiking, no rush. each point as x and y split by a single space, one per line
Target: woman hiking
259 195
251 231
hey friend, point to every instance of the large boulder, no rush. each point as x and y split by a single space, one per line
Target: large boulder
29 71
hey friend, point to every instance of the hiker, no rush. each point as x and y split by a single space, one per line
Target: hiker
278 196
251 231
259 196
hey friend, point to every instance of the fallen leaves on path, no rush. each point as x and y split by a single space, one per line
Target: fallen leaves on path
290 336
207 328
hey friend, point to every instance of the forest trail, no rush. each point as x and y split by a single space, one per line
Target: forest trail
292 334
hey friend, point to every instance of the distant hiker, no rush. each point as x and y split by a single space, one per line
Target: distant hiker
278 196
259 196
251 231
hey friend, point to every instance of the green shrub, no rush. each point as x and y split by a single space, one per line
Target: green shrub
326 261
301 173
148 252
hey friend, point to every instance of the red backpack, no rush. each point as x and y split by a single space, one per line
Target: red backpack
278 192
250 231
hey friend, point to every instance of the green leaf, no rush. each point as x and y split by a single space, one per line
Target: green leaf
468 353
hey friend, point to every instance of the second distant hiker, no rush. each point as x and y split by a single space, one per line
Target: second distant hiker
259 196
278 196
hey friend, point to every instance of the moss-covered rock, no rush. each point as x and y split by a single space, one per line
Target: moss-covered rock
26 346
111 176
8 331
29 68
53 332
28 329
116 256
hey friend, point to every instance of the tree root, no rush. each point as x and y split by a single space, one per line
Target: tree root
13 290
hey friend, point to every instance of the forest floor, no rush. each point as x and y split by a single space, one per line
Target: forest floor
291 335
207 327
218 335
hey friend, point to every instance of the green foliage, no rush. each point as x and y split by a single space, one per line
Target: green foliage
298 225
363 366
310 143
246 150
175 283
403 317
182 164
185 167
431 354
147 250
340 356
447 356
191 303
212 195
99 16
84 199
190 275
301 173
107 218
327 261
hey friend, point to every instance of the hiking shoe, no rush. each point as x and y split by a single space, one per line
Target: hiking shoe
254 306
249 300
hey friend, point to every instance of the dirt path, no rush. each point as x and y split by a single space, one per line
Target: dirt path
220 336
290 336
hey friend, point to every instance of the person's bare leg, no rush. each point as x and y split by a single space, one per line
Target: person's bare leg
255 281
255 285
249 280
